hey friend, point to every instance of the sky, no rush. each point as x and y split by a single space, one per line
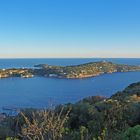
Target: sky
69 28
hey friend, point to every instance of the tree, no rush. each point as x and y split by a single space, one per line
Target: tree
132 133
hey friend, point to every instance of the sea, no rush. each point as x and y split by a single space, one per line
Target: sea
41 92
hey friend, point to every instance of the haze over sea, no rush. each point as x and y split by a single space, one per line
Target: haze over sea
38 92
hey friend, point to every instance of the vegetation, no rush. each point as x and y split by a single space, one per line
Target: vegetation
132 133
84 70
93 118
25 73
80 71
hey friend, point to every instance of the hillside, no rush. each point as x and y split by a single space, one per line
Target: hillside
77 71
84 70
93 118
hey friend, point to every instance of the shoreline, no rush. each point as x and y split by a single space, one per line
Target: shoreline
86 70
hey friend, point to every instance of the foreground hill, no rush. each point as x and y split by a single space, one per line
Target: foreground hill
84 70
93 118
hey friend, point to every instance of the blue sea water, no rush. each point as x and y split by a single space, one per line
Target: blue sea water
39 92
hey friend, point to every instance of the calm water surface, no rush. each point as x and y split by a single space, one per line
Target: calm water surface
38 92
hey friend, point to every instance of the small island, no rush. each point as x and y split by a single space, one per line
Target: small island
86 70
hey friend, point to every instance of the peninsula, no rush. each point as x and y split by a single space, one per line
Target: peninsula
86 70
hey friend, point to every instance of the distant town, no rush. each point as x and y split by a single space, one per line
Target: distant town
86 70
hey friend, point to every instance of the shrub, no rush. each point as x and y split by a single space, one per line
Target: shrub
132 133
45 125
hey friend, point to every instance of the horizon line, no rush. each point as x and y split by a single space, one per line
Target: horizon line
70 58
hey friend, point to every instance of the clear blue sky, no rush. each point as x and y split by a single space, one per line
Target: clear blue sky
69 28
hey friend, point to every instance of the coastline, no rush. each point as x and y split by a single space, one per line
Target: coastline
81 71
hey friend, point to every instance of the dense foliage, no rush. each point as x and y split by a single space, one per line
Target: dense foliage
93 118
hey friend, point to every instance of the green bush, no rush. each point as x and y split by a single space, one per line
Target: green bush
132 133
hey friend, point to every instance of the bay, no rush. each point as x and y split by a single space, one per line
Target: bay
39 92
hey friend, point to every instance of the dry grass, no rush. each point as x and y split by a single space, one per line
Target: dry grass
45 125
